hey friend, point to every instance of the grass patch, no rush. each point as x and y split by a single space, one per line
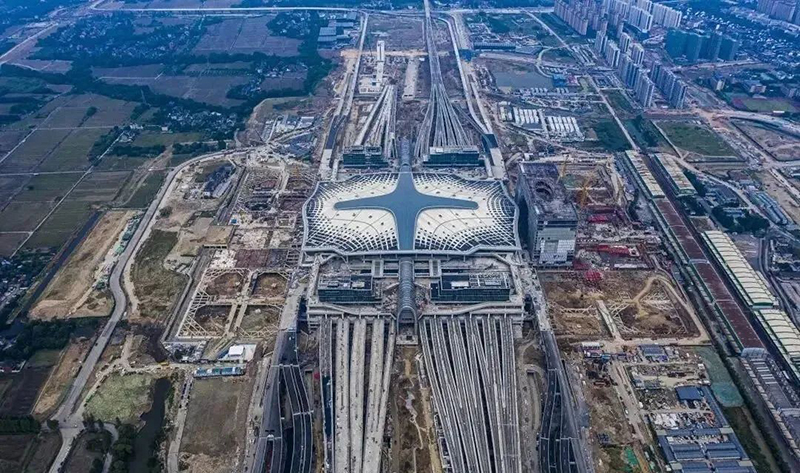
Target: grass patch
620 102
44 358
610 136
644 133
156 286
123 397
742 423
148 139
47 187
695 139
147 191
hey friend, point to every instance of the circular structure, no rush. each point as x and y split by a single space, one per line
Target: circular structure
409 213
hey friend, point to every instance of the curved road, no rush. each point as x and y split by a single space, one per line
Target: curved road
71 425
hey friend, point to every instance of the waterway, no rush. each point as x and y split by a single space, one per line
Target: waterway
143 445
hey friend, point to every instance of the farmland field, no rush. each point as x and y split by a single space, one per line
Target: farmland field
72 153
58 227
33 150
245 35
23 216
21 395
9 242
47 187
100 186
9 185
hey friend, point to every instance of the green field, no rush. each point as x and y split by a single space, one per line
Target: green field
763 104
695 139
9 242
609 137
47 187
644 133
100 186
72 154
34 150
619 102
559 55
123 397
149 138
44 358
23 216
57 229
147 190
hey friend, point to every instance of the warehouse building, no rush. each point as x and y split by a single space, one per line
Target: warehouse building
633 162
749 285
785 336
677 179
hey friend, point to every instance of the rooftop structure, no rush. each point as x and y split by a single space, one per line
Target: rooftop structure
677 179
409 213
784 335
705 446
346 289
636 166
750 286
549 219
464 288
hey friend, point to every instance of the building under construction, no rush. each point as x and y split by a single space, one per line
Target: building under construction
548 219
374 145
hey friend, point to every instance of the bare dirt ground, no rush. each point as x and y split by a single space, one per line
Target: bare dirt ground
782 146
642 303
215 424
779 193
413 443
60 378
70 294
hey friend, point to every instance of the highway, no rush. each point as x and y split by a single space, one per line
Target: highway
560 445
285 438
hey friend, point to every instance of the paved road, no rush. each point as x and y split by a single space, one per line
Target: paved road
70 424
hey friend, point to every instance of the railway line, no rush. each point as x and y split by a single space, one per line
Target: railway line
471 369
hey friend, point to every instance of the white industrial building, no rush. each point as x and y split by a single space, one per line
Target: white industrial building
750 286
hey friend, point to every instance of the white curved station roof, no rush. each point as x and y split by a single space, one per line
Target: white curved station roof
409 213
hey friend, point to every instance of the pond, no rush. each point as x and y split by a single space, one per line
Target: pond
522 80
